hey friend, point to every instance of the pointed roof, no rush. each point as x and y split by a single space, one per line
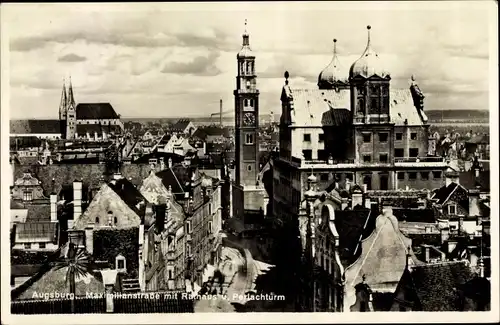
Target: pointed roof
383 256
369 64
71 98
64 100
245 51
332 73
153 189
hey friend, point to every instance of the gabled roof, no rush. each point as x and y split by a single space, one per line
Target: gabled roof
55 281
435 285
35 126
24 142
95 111
180 125
444 193
165 155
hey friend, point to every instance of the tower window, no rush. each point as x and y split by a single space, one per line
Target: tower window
367 137
248 138
251 102
361 105
383 137
307 154
367 158
249 168
367 180
399 136
401 176
307 137
399 152
424 175
383 158
321 137
413 152
412 175
436 174
413 136
245 102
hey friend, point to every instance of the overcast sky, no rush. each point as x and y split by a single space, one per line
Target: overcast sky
174 59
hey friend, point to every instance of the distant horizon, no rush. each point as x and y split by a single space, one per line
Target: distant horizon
263 115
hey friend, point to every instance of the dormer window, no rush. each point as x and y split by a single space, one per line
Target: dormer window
121 263
28 196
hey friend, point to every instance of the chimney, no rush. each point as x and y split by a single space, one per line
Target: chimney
89 238
365 188
474 202
357 199
169 162
347 184
427 252
117 176
160 217
445 234
77 200
162 163
344 203
148 215
368 203
460 225
53 207
477 170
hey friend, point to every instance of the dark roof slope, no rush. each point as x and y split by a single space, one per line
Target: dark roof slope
179 177
436 284
95 111
180 125
414 215
35 126
130 195
444 192
470 181
336 117
352 226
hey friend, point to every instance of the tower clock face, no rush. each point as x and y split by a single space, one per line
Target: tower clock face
249 119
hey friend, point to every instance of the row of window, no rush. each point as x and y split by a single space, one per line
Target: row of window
249 139
40 245
367 137
307 137
423 175
384 157
246 68
384 136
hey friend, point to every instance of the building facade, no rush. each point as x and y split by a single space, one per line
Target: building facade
355 128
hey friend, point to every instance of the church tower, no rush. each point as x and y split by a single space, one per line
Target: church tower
369 83
246 103
63 104
70 113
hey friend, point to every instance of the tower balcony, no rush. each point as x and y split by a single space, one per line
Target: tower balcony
246 91
372 119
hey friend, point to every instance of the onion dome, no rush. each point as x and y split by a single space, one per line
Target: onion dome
246 51
369 64
332 73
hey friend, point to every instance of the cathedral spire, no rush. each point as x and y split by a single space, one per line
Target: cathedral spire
64 102
71 98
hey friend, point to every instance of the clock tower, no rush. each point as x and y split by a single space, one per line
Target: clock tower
246 103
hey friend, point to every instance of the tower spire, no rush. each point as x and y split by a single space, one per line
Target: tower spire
246 37
71 98
64 102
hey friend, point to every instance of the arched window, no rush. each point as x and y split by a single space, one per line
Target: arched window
116 220
96 219
120 263
251 102
245 102
249 67
361 105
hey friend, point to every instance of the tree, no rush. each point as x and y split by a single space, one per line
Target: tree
79 264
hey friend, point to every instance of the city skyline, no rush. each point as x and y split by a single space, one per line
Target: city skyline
159 61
